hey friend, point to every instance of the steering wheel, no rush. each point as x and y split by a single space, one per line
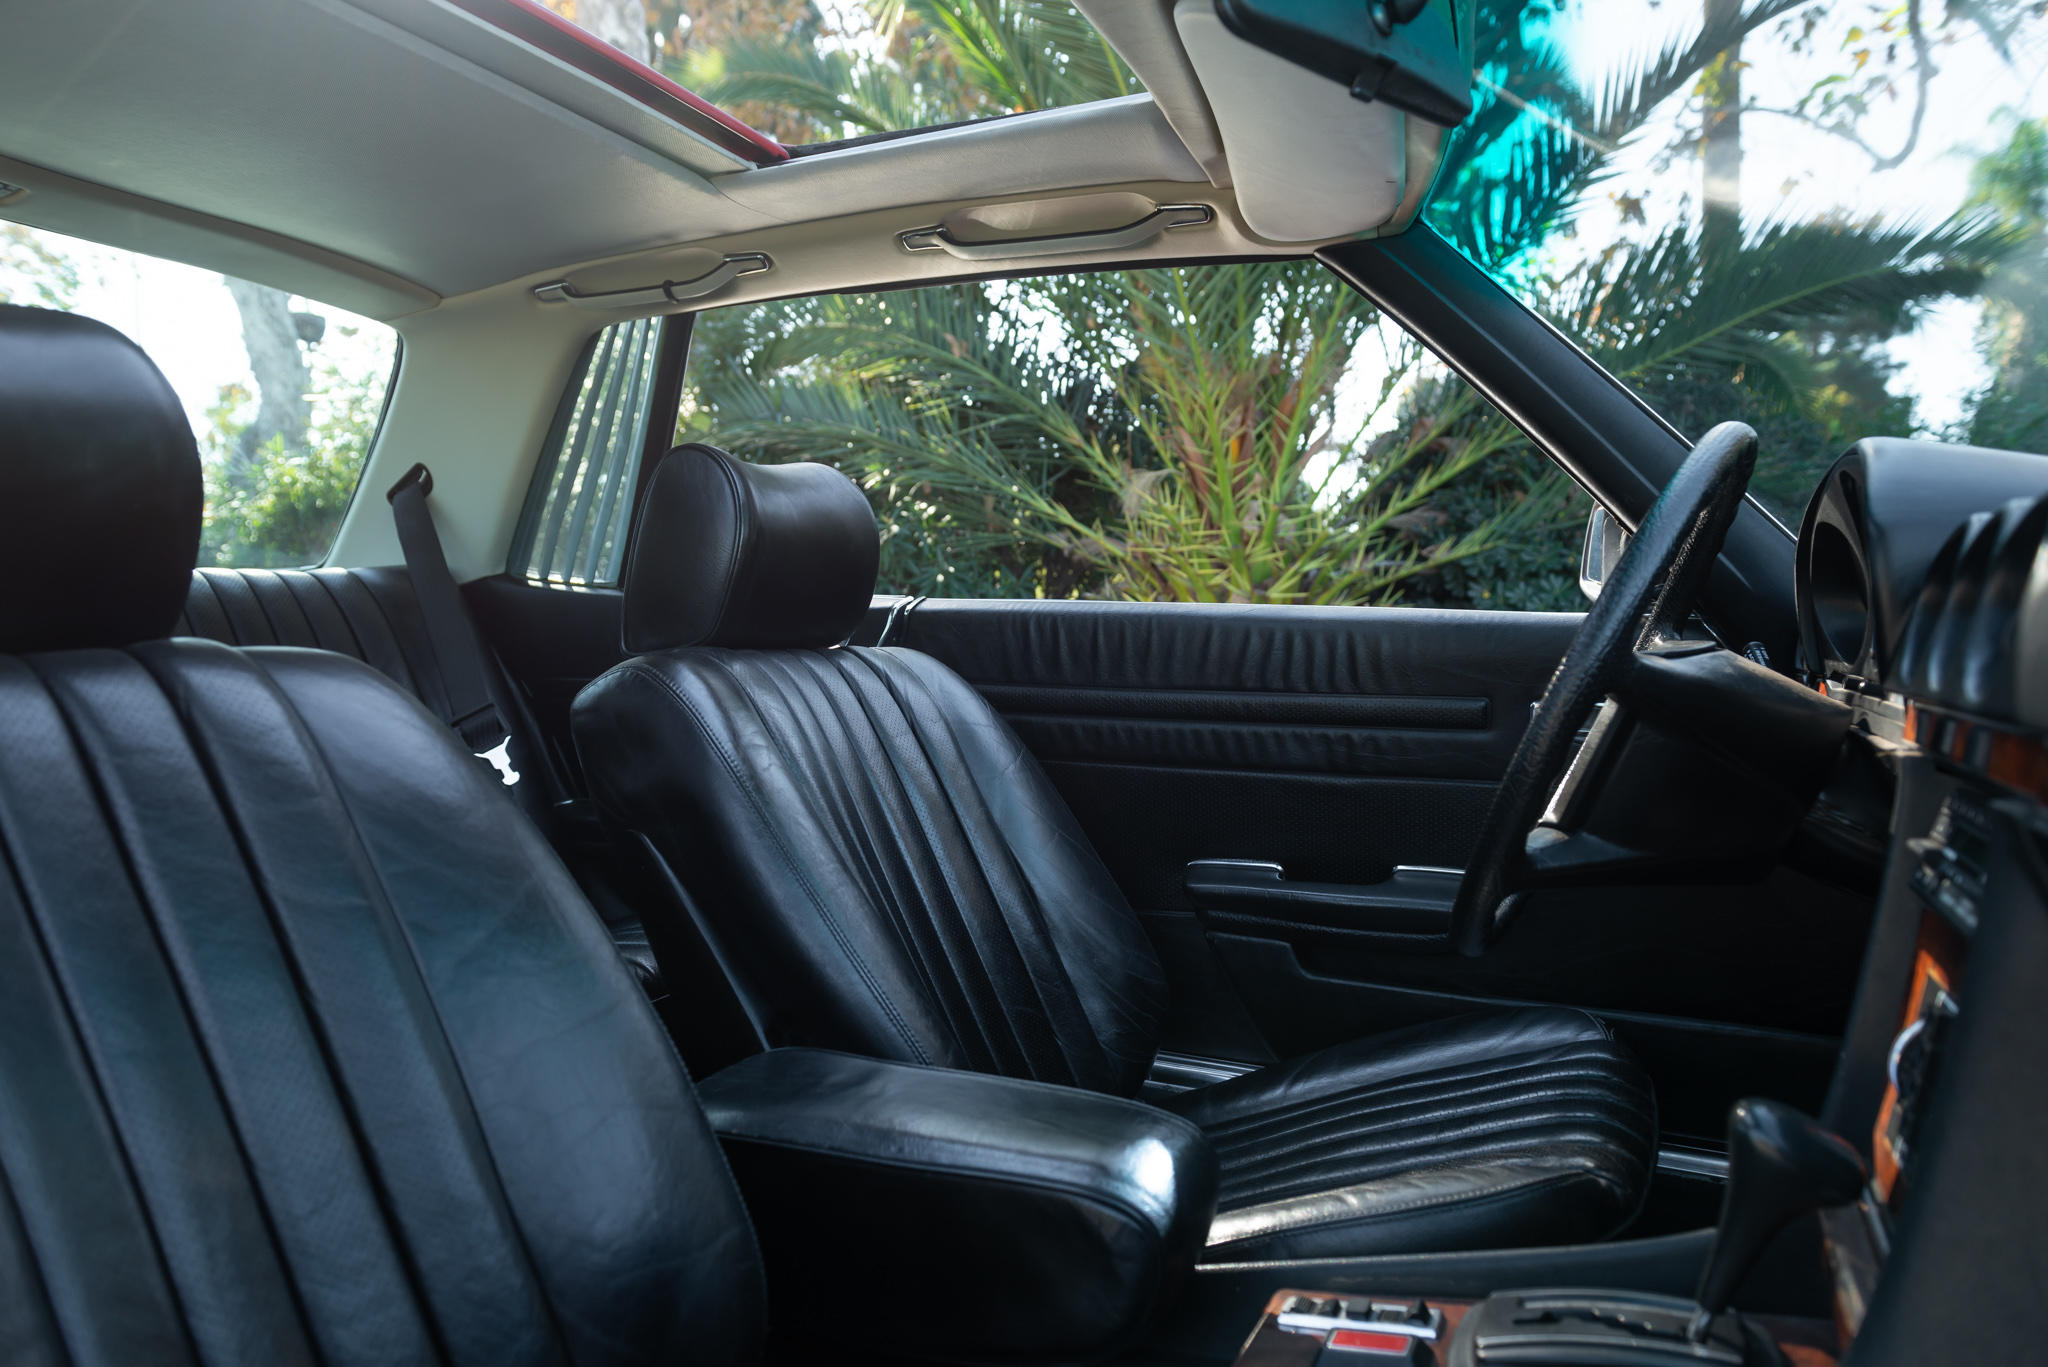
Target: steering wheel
1649 593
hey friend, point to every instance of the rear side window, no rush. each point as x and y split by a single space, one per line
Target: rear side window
283 393
574 528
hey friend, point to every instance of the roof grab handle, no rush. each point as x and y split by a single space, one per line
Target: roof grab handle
1163 219
667 292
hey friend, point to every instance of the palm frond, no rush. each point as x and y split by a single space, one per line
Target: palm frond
1674 301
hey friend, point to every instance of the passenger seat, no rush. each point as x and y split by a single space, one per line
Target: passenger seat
372 615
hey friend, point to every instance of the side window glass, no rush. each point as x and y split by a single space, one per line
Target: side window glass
573 530
283 393
1223 433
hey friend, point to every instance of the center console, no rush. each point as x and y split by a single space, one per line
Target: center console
1781 1166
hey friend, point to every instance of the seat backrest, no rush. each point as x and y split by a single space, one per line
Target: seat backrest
310 1050
371 615
877 863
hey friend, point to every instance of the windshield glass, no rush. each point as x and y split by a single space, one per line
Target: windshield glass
1824 218
810 71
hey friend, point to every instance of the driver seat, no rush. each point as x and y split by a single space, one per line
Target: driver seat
878 866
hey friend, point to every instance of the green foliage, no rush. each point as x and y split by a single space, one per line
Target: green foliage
284 507
1165 434
947 60
2011 183
32 272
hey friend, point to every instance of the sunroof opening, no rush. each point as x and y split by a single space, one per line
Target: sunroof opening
806 72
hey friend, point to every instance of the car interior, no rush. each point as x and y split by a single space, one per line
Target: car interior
590 912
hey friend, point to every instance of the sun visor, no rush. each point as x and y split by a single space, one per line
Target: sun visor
1310 162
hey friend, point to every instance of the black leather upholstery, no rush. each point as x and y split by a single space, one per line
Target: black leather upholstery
310 1050
372 615
747 555
898 877
883 868
1488 1131
955 1216
93 479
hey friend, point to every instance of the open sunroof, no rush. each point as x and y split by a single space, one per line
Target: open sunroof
775 76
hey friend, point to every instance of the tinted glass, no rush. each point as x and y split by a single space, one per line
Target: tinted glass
1824 219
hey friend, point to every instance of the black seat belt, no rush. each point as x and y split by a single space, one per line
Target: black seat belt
449 629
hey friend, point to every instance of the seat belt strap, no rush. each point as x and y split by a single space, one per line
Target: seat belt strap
449 629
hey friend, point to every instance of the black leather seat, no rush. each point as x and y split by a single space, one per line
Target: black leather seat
372 615
882 868
310 1050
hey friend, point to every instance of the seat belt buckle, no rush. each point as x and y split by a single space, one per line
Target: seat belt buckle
499 757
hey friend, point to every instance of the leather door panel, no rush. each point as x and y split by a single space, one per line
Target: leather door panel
1342 743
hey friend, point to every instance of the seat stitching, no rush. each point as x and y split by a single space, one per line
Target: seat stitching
1401 1156
633 668
800 698
1367 1116
1466 1143
345 1101
152 921
62 995
846 662
320 585
1427 1110
378 893
1050 960
891 910
951 990
1345 1101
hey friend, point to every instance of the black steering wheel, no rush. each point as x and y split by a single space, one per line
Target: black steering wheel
1650 592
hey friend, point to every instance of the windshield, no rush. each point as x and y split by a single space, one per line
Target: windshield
1824 219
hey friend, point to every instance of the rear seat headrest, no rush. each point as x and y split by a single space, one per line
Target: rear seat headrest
99 487
732 554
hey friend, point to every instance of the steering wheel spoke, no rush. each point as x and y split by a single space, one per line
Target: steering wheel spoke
1650 592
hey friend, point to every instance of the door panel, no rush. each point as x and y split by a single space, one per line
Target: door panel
1341 743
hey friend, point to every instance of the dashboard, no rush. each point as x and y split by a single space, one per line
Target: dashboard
1923 604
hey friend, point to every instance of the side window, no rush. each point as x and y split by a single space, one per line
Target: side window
284 394
573 530
1220 433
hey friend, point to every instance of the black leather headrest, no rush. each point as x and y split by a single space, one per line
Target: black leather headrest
732 554
99 487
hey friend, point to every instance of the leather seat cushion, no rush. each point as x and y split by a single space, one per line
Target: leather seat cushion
1488 1131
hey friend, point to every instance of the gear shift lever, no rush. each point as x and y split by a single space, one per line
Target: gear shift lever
1781 1164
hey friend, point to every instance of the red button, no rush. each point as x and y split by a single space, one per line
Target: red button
1366 1341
